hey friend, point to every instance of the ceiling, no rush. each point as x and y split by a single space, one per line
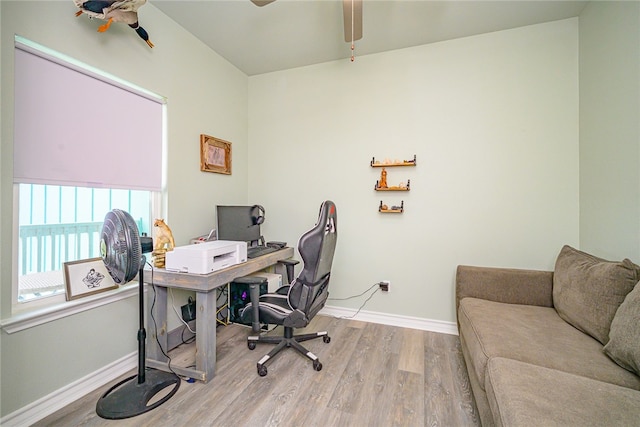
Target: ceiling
293 33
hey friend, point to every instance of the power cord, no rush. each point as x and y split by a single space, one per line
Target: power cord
375 285
153 304
189 340
354 296
173 305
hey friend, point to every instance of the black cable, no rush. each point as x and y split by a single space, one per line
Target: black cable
365 301
355 296
188 341
155 325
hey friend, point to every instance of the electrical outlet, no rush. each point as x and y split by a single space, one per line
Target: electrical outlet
189 310
385 285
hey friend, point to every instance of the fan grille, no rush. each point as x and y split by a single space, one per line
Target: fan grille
120 246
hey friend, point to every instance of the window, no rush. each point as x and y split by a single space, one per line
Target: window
96 145
59 224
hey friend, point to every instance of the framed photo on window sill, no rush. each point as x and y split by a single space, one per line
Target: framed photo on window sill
86 277
215 155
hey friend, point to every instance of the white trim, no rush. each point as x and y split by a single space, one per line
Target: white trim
21 321
68 394
392 320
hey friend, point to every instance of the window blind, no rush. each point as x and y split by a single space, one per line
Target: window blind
75 127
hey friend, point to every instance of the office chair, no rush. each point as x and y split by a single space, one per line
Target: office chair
293 306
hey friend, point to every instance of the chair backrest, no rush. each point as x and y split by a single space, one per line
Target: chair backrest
309 290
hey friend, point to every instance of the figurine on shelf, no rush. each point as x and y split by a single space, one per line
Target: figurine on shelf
383 179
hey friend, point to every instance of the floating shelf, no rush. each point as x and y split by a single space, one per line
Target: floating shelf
393 188
375 164
392 209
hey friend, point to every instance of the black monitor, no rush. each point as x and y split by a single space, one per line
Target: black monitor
238 223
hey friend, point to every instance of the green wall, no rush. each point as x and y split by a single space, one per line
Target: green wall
610 129
493 120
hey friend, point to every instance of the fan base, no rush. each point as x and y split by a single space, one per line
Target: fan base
128 398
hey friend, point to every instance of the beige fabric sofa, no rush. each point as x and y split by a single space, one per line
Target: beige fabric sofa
530 361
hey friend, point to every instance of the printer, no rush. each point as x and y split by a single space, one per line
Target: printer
206 257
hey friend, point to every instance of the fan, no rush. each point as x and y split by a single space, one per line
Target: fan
122 255
352 12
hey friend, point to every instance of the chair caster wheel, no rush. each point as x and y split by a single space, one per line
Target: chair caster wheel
317 365
262 371
326 339
251 345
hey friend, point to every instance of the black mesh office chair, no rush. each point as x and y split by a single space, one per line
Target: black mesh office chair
294 305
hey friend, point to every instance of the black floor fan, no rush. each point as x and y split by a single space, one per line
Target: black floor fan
122 255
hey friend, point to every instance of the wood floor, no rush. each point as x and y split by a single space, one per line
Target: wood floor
372 375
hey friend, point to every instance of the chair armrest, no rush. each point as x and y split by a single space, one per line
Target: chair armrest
289 265
514 286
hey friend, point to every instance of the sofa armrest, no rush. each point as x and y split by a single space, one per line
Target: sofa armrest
513 286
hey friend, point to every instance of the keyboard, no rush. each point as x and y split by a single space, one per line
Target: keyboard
256 251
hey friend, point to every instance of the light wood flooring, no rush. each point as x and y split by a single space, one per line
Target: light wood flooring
372 375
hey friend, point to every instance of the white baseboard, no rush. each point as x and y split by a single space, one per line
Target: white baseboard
393 320
68 394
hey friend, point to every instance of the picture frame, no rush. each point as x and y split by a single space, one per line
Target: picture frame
86 277
215 155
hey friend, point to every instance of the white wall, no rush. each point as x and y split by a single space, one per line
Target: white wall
493 120
205 95
610 129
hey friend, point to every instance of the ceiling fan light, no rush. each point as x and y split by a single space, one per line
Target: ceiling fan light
262 2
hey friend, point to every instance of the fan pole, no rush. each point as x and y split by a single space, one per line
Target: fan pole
130 398
142 334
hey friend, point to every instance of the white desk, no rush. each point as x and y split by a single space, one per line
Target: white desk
204 286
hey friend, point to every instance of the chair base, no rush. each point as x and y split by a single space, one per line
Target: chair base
282 342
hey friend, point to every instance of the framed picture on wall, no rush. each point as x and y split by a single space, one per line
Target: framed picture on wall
215 155
86 277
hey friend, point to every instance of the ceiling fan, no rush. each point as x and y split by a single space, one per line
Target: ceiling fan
352 12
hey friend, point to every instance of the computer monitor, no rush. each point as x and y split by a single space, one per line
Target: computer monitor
238 223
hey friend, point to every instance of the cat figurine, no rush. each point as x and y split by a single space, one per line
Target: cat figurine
164 236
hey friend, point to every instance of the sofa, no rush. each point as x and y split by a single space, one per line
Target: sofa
553 348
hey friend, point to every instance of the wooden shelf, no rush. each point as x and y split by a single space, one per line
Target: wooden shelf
393 209
375 164
393 188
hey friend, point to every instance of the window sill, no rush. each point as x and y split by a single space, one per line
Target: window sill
21 321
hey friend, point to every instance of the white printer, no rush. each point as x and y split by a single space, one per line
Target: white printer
206 257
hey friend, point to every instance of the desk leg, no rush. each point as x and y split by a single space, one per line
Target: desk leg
160 315
206 333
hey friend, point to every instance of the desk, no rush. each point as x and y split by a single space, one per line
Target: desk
204 285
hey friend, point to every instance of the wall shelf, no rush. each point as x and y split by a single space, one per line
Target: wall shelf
393 188
379 164
393 209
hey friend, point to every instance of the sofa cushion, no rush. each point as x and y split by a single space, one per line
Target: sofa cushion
624 336
588 290
521 394
534 335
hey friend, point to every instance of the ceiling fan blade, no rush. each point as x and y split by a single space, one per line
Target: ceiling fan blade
262 2
356 6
